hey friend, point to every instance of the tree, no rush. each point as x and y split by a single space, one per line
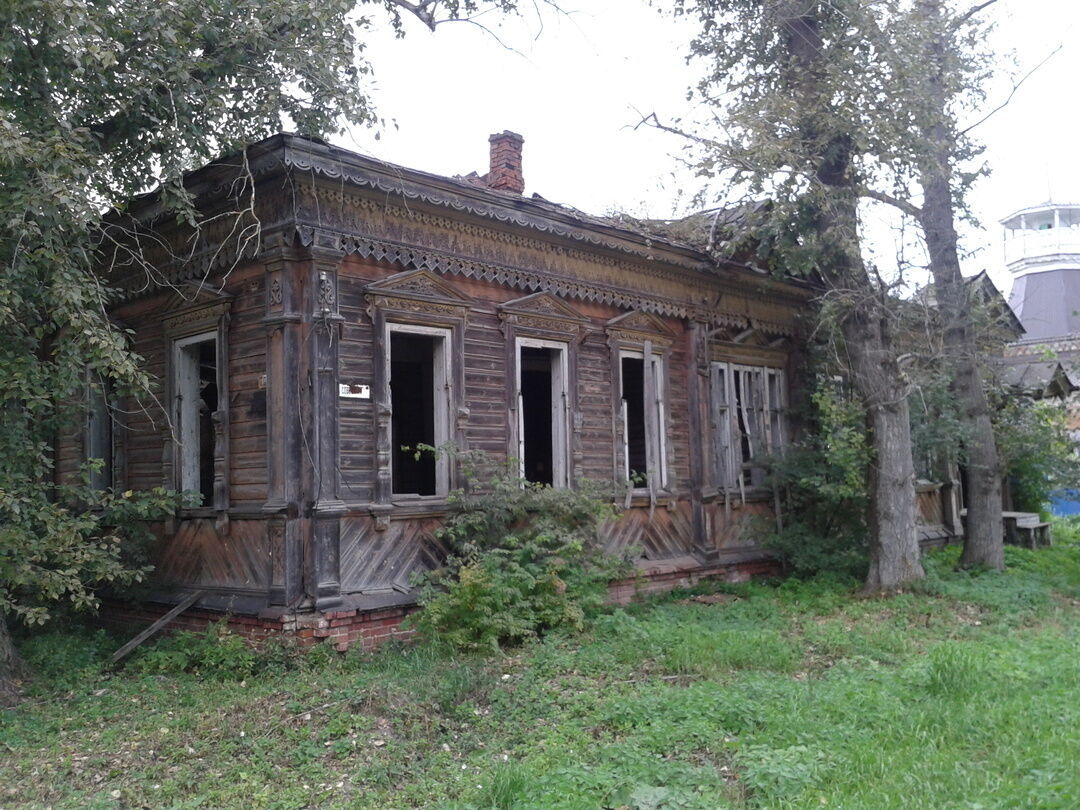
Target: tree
793 81
103 101
937 64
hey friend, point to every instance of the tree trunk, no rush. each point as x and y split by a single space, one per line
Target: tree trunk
983 535
11 666
891 521
894 546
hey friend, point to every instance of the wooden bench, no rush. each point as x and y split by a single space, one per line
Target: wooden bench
1026 529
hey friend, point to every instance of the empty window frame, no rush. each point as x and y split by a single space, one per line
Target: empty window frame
748 422
98 434
419 363
542 412
195 362
644 434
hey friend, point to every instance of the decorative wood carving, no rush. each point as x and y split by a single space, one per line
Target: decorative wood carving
545 314
636 327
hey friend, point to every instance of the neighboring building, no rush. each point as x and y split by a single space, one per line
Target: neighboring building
1042 252
380 308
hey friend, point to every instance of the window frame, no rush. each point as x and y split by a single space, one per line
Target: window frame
560 433
443 371
188 462
729 465
99 391
201 310
655 417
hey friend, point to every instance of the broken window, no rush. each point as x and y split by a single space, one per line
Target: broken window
643 419
420 409
196 387
542 412
748 422
98 434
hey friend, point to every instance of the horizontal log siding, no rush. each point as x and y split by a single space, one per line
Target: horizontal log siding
247 400
594 405
487 384
356 365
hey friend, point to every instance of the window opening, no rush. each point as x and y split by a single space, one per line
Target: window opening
542 413
197 396
536 415
748 421
412 402
99 435
633 404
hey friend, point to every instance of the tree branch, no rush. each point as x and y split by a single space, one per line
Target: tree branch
971 12
903 205
1012 92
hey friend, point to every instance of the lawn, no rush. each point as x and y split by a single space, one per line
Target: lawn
962 694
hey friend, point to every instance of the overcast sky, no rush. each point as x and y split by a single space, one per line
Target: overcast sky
576 87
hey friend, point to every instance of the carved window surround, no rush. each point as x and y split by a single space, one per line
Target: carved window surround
541 319
638 334
197 310
421 299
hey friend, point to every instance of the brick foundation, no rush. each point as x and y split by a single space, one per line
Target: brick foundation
370 628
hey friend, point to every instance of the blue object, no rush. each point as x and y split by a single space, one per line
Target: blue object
1065 502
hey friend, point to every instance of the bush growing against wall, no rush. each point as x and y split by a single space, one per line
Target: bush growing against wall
523 559
823 481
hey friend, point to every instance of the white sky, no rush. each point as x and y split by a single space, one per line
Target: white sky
576 88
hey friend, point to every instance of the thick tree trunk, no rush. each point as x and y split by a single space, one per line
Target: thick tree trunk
891 520
11 666
894 547
983 540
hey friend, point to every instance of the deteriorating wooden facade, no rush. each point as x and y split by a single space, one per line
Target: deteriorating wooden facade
290 365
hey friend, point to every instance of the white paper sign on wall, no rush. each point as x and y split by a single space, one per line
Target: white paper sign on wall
354 391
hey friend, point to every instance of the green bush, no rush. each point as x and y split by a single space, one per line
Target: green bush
1036 450
823 478
523 559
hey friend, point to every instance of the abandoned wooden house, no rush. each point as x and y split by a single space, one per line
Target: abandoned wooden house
335 309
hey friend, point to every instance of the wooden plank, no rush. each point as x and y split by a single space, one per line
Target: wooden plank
156 627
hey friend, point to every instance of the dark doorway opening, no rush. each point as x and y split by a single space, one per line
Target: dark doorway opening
537 409
633 396
412 403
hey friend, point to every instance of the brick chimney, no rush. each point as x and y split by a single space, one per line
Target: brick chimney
505 173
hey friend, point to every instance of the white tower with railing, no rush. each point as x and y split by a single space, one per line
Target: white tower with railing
1042 252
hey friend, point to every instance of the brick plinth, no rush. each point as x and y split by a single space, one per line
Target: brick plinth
370 628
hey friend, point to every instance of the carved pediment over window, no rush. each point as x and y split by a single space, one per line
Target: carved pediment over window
543 312
637 327
193 307
418 291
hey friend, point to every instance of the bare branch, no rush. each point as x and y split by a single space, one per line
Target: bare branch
904 206
971 12
1012 92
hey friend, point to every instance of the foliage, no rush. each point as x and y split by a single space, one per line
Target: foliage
51 551
524 559
1037 452
215 653
869 704
823 476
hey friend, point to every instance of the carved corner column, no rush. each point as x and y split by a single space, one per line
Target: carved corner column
284 338
327 508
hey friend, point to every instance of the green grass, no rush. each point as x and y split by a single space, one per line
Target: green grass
964 693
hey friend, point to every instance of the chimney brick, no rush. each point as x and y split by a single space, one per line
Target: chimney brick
506 173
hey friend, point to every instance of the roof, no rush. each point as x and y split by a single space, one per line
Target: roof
1037 376
1047 303
287 152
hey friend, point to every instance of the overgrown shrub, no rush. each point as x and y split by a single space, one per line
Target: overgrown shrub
523 559
1036 450
823 478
